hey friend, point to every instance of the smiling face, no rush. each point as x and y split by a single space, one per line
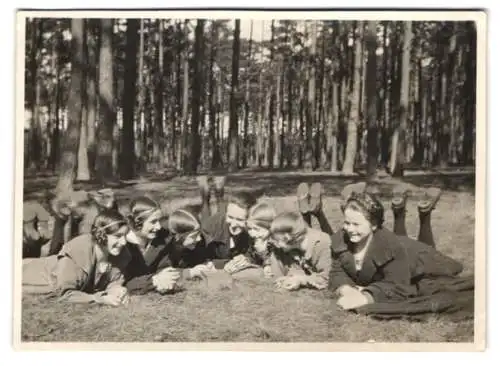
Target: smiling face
117 241
151 226
236 218
356 225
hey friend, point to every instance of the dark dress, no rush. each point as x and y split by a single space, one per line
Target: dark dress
218 238
405 277
163 252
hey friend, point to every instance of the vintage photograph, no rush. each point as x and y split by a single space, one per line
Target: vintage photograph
249 177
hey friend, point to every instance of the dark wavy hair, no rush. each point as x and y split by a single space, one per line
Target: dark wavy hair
107 222
369 205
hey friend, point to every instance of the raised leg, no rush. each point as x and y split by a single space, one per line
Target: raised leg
219 183
398 205
425 207
205 195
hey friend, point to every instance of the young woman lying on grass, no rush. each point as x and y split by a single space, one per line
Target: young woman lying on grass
258 225
162 256
300 255
378 272
87 269
225 230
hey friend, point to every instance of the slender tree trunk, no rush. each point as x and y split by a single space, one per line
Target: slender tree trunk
196 99
302 122
127 166
371 97
71 137
233 119
334 123
35 128
260 151
311 101
277 135
158 83
271 132
93 56
246 143
398 155
107 109
352 124
139 138
382 106
54 135
289 145
83 173
183 152
211 92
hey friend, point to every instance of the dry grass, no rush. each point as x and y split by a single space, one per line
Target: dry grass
255 311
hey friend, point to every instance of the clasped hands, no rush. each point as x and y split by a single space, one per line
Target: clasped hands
295 281
166 280
352 297
238 263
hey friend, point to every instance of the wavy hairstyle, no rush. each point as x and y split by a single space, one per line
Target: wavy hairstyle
139 211
368 205
183 221
107 222
291 224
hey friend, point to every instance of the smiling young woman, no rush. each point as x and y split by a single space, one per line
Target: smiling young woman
89 268
377 272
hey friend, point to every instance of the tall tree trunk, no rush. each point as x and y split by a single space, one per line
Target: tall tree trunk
260 129
233 119
107 109
71 136
83 173
271 132
196 100
311 101
384 97
398 155
93 56
323 105
334 123
183 152
302 122
211 92
246 142
371 98
54 151
277 135
352 123
140 106
289 145
127 168
35 128
158 83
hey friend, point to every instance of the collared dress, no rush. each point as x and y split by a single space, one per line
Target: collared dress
73 274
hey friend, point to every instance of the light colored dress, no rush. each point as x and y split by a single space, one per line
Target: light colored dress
74 273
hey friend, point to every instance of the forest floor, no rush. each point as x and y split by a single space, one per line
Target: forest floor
253 311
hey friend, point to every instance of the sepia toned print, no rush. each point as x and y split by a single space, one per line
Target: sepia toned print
214 178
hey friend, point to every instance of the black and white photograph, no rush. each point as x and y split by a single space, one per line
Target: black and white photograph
250 177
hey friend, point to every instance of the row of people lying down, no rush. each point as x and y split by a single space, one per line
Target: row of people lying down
369 268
